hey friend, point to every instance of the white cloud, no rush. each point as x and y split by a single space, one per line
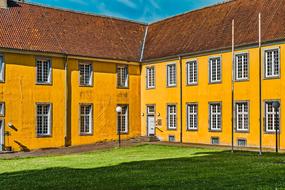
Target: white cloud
128 3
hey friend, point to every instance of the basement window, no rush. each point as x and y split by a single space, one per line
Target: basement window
43 71
171 138
2 68
242 142
215 141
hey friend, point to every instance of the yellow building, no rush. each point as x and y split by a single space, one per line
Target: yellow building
63 74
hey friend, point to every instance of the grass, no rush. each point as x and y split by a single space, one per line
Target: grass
146 167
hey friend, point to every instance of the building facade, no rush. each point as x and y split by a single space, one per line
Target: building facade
64 73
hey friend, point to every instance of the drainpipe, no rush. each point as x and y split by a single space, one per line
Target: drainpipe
233 80
260 86
181 123
66 143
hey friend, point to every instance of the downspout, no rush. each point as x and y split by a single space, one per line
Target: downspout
143 44
260 86
181 123
66 140
233 80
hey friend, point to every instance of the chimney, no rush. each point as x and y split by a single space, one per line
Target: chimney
3 4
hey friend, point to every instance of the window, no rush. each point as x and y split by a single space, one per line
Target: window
272 63
85 72
43 119
86 119
171 75
192 116
122 76
43 71
215 140
242 142
171 138
215 70
271 121
2 134
215 117
171 116
123 119
2 108
2 68
241 66
150 110
242 116
192 72
150 77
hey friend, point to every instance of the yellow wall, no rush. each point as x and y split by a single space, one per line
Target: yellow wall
21 93
203 93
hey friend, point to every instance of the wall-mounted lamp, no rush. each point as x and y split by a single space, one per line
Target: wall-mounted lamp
158 114
10 124
142 114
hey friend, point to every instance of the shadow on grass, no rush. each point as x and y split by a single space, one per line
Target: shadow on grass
207 170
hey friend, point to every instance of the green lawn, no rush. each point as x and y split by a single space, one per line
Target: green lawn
146 167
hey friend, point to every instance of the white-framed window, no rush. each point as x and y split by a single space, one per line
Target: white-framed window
86 119
241 66
215 116
192 72
122 76
2 109
43 119
242 116
270 117
85 74
43 71
272 63
2 68
171 75
150 77
215 69
2 125
192 116
171 117
123 119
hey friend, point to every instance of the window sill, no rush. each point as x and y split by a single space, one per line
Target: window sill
86 134
271 78
174 86
122 87
86 85
44 84
192 84
192 130
215 130
44 136
242 131
169 129
217 82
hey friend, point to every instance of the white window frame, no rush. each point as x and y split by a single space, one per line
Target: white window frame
2 68
171 76
272 67
171 117
271 114
122 76
242 113
241 66
2 109
85 75
124 115
83 117
192 72
42 116
215 115
150 77
41 74
192 116
215 77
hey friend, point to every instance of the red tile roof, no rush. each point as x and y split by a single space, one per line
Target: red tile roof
210 28
37 28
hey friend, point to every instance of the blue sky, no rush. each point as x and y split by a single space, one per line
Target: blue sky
138 10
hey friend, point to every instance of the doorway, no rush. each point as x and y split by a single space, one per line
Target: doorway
151 120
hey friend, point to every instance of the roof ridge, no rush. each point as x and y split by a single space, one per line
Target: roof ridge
195 10
82 12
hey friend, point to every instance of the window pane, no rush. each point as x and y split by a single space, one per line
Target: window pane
122 76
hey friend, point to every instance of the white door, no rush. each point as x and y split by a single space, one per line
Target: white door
1 134
151 125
